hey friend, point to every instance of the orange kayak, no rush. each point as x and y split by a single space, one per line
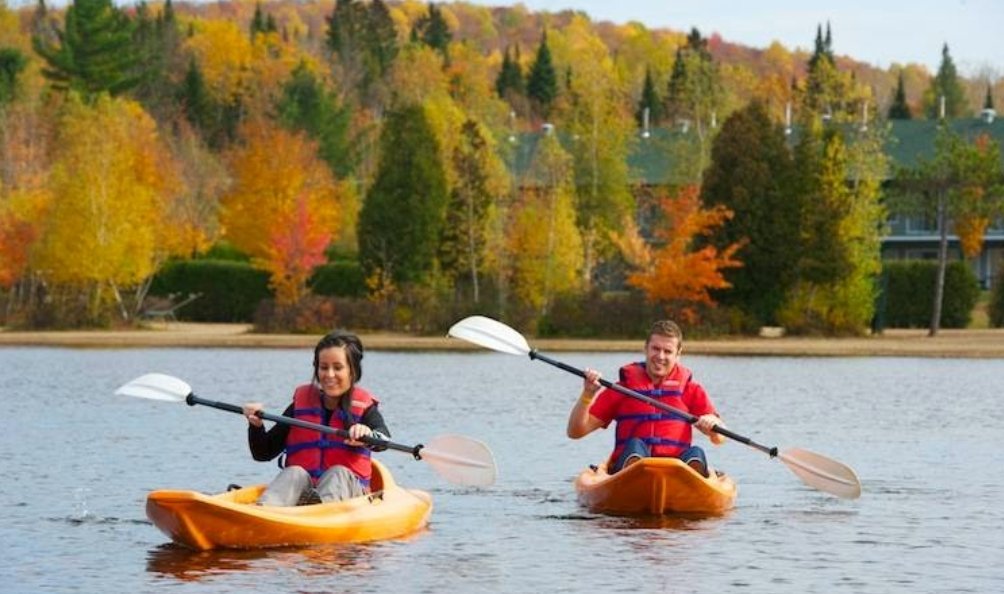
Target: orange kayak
232 520
655 486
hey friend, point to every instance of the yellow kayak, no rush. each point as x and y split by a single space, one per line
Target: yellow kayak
655 486
232 520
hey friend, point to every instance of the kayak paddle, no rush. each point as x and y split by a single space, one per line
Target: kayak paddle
815 470
460 460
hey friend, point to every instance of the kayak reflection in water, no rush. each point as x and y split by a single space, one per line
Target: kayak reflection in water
643 430
320 467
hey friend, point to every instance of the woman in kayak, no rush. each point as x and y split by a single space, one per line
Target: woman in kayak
643 430
320 466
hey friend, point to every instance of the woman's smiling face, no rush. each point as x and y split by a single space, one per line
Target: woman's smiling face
334 373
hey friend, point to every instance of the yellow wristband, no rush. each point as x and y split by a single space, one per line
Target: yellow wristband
586 398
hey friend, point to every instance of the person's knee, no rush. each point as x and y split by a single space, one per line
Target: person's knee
696 459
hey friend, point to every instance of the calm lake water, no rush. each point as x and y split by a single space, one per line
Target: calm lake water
926 437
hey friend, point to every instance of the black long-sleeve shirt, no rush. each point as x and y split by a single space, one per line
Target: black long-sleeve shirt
266 444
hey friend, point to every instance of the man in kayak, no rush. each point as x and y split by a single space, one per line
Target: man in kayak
643 430
317 466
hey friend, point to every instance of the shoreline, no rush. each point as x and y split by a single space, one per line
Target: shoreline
892 343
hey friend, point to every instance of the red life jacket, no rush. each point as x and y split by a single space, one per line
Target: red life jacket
665 433
316 451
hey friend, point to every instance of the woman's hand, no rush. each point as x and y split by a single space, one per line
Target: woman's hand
251 410
357 432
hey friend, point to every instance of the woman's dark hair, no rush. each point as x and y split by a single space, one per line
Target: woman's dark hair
353 351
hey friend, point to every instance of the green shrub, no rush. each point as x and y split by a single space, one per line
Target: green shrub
342 278
909 294
996 308
230 290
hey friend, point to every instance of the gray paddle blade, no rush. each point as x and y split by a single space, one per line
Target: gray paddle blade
156 386
460 460
490 334
820 472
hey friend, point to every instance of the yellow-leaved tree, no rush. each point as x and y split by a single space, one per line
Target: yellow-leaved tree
543 239
108 224
283 208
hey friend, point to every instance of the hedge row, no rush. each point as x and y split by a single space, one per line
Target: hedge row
232 290
229 290
996 308
907 295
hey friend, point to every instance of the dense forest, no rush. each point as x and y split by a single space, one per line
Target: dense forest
398 164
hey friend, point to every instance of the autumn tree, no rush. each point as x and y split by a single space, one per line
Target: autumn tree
402 217
95 52
112 184
596 118
283 206
750 174
945 86
948 187
472 212
672 269
543 237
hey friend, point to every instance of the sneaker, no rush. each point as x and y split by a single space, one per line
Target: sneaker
698 467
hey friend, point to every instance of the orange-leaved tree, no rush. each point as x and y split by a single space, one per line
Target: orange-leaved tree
283 208
672 269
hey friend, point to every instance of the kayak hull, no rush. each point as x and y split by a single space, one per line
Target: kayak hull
232 520
654 486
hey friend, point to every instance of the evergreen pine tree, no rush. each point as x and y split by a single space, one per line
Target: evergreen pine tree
899 110
433 31
158 47
401 220
946 84
257 21
306 105
542 80
988 101
510 77
750 173
94 53
649 100
364 38
195 100
12 63
677 88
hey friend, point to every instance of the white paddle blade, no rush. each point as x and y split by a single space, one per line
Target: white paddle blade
820 472
490 334
460 460
156 386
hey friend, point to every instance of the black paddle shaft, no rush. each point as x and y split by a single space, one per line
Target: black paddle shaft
192 400
770 451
